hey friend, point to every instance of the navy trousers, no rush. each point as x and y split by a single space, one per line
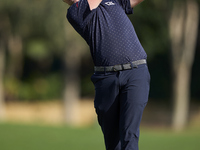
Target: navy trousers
120 98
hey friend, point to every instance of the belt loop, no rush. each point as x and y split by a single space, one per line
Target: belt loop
122 67
104 70
131 63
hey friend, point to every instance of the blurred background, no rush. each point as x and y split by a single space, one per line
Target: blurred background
45 70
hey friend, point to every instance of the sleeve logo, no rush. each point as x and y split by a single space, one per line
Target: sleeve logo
109 3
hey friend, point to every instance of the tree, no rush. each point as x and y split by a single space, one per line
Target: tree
2 58
4 32
72 59
183 27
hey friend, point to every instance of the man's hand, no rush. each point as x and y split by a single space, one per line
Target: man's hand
135 2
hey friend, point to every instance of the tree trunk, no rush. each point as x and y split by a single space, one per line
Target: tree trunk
15 62
72 87
2 63
72 59
183 33
4 32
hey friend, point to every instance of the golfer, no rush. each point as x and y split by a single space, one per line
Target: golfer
121 77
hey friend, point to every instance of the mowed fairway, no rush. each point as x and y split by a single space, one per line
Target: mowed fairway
35 137
168 140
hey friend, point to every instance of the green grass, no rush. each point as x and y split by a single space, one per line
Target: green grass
35 137
168 140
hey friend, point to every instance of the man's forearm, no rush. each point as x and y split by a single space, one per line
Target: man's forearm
70 2
135 2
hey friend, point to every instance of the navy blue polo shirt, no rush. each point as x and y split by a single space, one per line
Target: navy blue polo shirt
108 31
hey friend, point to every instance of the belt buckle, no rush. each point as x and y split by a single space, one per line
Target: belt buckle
115 68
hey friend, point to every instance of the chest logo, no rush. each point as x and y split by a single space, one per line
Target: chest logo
109 3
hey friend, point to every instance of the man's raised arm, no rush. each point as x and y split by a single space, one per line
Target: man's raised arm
135 2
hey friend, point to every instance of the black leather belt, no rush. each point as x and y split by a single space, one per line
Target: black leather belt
120 67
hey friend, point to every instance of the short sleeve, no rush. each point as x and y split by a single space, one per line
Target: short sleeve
126 6
76 15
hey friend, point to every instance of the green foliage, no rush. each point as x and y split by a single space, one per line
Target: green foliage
38 88
151 24
87 86
42 27
38 49
40 24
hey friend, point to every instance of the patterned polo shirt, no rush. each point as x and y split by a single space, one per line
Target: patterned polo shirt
108 31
